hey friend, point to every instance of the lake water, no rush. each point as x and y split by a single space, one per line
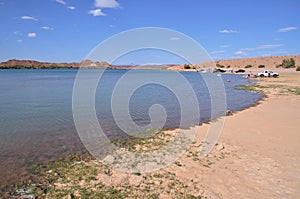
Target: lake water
36 121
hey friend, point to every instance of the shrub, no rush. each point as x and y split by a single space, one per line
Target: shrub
248 66
220 65
261 66
186 66
228 66
298 68
288 63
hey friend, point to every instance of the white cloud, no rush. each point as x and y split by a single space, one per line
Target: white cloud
61 1
72 7
240 53
96 13
19 40
32 35
228 31
279 52
217 51
248 49
106 4
17 33
287 29
225 46
46 28
174 38
265 46
29 18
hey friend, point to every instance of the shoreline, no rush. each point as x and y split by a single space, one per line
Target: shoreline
245 163
266 136
14 168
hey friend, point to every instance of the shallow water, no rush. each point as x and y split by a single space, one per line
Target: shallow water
36 122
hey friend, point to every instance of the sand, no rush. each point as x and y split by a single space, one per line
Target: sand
258 153
263 148
270 63
257 156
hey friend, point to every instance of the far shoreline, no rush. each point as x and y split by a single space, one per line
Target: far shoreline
250 65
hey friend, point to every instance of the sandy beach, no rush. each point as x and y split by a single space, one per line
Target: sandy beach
258 152
257 156
112 99
263 149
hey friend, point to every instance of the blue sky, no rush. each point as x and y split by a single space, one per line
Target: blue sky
67 30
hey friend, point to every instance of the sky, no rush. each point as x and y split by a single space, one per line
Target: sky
67 30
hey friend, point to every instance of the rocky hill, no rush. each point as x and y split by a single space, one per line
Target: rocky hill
18 64
270 62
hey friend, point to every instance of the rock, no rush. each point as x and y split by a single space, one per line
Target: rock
20 191
109 159
220 147
57 173
71 196
135 180
109 172
229 112
146 166
27 196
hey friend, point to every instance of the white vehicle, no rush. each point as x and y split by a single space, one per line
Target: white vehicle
268 73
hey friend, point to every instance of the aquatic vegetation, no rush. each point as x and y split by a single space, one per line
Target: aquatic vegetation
268 89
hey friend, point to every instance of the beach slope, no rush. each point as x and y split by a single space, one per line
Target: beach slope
262 146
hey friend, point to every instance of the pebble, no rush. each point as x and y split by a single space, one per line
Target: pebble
229 112
220 147
109 159
27 196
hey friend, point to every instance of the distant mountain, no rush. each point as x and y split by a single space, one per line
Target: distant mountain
91 64
18 64
269 62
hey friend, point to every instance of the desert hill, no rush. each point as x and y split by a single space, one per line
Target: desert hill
14 63
270 62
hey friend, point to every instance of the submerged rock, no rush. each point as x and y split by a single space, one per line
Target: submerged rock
229 112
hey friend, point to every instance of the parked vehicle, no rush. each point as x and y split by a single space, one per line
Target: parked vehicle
250 76
268 73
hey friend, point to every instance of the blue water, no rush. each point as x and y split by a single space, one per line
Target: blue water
36 121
